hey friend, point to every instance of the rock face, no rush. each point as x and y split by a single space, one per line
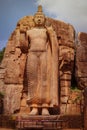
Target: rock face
85 108
81 69
13 81
81 61
12 98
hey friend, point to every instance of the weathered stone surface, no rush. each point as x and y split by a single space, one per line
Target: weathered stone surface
81 60
73 105
85 109
14 61
12 98
2 72
15 69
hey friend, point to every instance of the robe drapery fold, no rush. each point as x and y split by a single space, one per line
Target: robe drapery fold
54 70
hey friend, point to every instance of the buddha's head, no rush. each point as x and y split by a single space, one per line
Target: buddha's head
39 17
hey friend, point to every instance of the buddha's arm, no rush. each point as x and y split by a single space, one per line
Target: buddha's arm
52 36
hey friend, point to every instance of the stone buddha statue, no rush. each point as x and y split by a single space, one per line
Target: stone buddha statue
38 62
42 66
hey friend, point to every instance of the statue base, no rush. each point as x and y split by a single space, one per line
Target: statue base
39 122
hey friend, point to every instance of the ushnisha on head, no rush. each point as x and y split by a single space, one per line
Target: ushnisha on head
39 17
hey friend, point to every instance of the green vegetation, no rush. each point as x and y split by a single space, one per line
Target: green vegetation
1 95
2 54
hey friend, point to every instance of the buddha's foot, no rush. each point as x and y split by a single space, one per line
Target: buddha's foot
34 111
45 111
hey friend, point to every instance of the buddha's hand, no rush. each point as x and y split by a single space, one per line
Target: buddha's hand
49 28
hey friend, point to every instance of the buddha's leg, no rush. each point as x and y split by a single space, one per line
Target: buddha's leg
32 76
45 88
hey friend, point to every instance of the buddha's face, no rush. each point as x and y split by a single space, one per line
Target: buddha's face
39 19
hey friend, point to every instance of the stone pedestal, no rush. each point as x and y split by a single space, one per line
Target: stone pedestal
39 122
